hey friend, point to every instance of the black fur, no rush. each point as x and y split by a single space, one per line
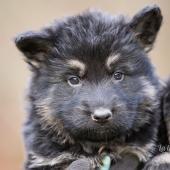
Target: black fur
59 129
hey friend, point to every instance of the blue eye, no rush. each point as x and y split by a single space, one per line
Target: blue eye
118 76
74 81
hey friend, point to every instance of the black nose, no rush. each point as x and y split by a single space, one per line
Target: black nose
101 115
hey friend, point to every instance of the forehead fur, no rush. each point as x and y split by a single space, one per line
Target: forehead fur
90 34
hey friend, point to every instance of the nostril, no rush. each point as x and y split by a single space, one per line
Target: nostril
104 117
85 104
107 116
101 115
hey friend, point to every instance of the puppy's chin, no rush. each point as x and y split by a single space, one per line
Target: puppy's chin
94 135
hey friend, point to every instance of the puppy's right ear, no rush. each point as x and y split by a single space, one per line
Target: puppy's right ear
146 24
35 46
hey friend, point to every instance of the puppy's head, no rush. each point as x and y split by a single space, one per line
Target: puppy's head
91 74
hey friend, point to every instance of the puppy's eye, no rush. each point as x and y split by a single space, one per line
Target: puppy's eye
118 76
74 81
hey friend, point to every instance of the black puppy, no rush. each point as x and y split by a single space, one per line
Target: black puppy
93 92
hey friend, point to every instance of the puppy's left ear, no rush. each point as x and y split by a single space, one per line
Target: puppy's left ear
35 46
146 25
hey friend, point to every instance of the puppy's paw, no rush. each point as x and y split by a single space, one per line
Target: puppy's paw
160 162
80 164
157 166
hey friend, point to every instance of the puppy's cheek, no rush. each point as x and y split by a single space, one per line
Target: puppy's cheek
75 120
123 121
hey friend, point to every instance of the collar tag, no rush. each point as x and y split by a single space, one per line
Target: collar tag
106 163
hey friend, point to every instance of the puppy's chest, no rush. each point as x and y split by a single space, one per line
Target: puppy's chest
99 148
116 150
96 152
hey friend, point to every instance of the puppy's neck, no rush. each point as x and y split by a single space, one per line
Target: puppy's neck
90 147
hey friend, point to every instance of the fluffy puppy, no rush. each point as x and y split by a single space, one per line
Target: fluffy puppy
93 91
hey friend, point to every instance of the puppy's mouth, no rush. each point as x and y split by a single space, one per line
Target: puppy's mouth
100 135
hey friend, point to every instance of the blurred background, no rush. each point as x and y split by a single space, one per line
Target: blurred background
17 16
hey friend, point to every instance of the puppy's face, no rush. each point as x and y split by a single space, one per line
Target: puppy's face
92 75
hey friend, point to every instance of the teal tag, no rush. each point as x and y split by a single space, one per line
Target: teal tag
106 163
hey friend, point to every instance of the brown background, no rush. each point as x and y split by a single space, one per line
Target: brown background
21 15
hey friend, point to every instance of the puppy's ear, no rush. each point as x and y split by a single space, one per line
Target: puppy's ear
146 25
35 46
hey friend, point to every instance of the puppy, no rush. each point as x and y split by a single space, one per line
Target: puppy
93 92
162 159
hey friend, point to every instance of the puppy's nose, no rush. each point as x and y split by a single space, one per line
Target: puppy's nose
101 115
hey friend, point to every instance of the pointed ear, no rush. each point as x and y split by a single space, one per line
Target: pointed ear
35 46
146 25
